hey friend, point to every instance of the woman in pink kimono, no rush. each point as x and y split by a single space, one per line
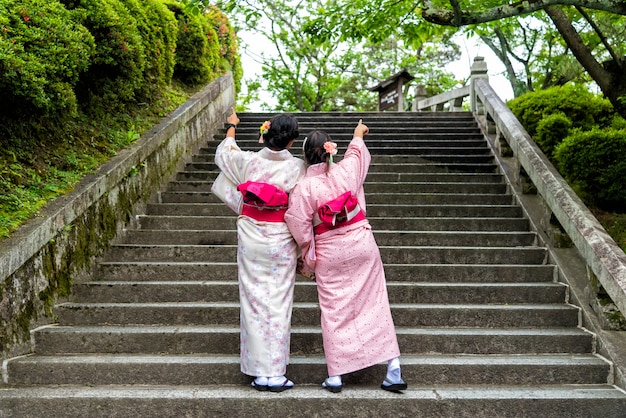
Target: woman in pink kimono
326 216
267 254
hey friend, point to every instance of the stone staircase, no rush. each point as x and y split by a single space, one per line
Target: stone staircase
484 329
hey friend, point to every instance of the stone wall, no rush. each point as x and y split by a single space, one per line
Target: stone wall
41 261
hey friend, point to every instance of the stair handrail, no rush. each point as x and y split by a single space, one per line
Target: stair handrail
601 253
454 98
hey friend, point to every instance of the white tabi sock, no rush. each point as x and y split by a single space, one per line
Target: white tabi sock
394 374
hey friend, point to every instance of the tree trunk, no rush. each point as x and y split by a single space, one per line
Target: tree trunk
610 77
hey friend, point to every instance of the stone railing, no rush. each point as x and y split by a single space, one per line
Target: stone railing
42 259
604 259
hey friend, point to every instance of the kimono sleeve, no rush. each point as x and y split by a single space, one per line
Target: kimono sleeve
357 160
231 160
299 217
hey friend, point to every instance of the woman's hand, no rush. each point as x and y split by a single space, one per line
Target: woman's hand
361 130
232 118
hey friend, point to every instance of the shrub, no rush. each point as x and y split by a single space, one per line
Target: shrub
197 49
551 131
230 59
116 72
42 55
584 109
158 28
593 163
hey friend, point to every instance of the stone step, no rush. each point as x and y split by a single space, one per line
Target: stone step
419 238
373 210
220 339
484 401
388 187
399 292
389 254
203 369
305 313
389 149
399 167
376 129
378 198
477 273
210 175
378 223
403 157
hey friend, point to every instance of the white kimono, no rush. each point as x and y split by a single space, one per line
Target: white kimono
266 260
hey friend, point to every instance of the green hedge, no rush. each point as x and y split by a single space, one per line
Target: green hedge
82 79
593 163
43 52
62 58
551 131
584 109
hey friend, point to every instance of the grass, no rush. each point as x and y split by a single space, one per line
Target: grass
42 159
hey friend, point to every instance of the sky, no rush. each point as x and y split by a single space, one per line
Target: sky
470 48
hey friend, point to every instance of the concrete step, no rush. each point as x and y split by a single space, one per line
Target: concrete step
399 292
399 167
220 339
402 157
375 210
389 254
378 223
203 369
478 273
306 313
387 187
210 175
484 401
419 238
378 198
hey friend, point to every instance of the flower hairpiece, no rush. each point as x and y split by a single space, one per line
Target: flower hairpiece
331 148
264 129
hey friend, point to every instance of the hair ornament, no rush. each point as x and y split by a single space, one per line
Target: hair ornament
330 148
264 129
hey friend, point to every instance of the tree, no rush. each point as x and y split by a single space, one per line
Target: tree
312 68
605 66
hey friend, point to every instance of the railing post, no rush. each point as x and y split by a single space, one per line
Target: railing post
420 94
478 70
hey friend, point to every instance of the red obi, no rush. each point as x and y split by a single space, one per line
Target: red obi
263 201
341 211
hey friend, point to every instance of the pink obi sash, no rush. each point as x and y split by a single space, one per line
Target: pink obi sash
341 211
263 201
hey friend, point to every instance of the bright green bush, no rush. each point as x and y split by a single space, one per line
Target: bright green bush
584 109
42 55
593 163
229 52
551 131
158 29
116 71
197 48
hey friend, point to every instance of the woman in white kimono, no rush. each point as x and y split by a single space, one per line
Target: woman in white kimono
267 253
326 216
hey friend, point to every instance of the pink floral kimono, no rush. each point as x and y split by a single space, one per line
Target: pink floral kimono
266 256
326 216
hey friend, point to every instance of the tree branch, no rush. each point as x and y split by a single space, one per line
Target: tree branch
457 17
599 33
579 49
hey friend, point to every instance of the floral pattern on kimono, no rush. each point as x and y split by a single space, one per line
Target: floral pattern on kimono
266 260
357 326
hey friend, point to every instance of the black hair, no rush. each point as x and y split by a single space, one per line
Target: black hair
314 152
283 129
